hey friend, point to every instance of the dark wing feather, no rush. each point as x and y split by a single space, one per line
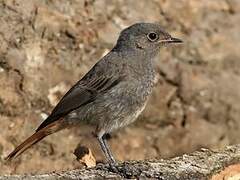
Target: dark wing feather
82 93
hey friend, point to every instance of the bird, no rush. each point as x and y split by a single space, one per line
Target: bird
113 93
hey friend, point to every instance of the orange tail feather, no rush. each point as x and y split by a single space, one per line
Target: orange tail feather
36 137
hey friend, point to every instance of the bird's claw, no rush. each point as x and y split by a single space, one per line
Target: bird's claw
113 167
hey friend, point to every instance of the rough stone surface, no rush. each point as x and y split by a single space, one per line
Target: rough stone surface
200 165
46 46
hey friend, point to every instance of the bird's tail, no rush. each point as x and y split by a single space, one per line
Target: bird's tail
36 137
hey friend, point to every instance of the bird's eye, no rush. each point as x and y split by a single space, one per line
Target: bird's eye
152 36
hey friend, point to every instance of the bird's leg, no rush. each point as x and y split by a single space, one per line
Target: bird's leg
106 150
109 152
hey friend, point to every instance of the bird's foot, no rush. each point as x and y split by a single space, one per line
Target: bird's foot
122 169
113 167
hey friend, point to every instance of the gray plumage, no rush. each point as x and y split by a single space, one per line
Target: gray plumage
115 91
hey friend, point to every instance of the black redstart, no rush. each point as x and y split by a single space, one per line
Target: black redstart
113 93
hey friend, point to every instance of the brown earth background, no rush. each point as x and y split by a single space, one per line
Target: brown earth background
46 46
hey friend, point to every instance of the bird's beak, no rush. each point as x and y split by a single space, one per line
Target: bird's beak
171 40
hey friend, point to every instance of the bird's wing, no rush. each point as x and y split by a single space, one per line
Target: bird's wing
83 92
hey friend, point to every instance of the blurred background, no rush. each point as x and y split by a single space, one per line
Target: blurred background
46 46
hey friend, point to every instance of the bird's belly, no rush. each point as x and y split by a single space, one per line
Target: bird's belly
131 117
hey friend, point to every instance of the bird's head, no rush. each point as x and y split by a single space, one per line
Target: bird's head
146 37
